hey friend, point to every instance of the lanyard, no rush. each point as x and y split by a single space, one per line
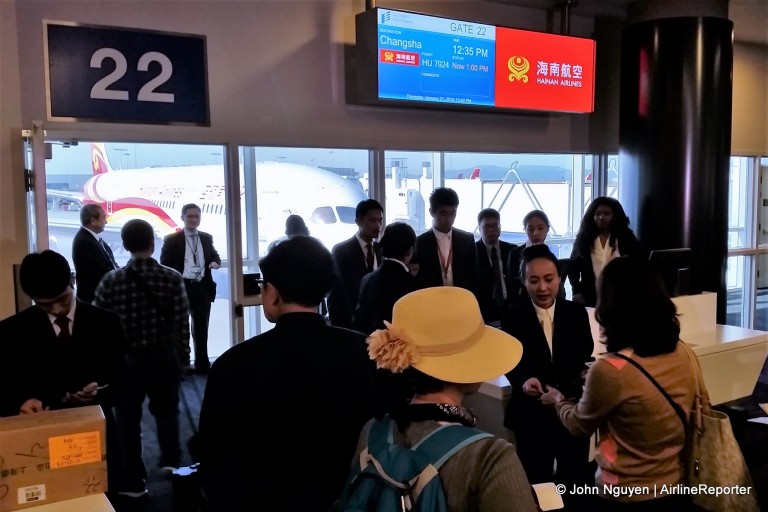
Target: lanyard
193 249
443 263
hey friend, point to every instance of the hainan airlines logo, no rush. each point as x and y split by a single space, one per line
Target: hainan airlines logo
389 56
98 160
518 69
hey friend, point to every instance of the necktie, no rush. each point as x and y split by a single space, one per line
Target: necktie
548 328
369 256
109 252
498 291
64 337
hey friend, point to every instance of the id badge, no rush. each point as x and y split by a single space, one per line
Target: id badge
196 270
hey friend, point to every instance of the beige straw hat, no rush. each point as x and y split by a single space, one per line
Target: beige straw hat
440 332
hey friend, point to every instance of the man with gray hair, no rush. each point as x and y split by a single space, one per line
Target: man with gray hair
90 253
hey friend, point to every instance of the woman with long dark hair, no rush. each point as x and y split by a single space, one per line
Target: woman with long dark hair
642 437
604 234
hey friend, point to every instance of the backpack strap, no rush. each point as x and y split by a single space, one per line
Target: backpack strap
439 446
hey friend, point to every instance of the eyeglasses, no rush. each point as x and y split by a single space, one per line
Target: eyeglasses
260 283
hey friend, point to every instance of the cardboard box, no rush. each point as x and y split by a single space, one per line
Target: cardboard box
52 456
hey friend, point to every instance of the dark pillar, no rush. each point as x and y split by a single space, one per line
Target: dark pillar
675 140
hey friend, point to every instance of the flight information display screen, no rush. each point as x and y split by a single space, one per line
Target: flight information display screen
423 58
410 58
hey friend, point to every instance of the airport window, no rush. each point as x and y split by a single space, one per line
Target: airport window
513 184
135 182
747 270
739 191
736 312
322 185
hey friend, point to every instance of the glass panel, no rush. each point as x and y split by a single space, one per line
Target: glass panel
761 297
738 202
410 178
517 183
321 185
513 184
146 181
612 186
762 209
735 291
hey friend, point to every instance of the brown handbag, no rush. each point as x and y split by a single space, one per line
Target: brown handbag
713 457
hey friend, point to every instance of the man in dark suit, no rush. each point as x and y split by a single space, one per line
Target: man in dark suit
263 394
352 260
90 253
492 256
446 255
557 344
61 352
380 289
192 254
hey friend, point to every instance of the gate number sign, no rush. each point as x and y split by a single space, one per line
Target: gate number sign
125 75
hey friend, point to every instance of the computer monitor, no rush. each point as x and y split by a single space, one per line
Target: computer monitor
674 266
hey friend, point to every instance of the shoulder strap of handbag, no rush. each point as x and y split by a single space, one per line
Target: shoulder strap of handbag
677 408
145 289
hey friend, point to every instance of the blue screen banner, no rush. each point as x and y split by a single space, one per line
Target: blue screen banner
429 59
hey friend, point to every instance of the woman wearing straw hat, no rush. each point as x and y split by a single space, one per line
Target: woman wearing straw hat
438 340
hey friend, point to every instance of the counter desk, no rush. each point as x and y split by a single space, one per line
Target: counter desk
731 359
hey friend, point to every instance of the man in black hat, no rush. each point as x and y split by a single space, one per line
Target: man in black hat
60 352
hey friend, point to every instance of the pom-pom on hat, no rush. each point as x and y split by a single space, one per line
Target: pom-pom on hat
440 332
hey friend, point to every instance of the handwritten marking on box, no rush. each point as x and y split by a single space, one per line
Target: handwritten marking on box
74 449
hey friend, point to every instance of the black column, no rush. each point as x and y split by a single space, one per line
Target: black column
675 140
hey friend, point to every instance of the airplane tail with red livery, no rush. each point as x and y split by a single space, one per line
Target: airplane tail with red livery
99 160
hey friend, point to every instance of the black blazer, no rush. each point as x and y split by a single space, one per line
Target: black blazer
379 290
91 263
581 273
572 347
488 306
349 268
464 262
33 364
260 398
515 288
172 255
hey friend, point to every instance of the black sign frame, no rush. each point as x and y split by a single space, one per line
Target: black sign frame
97 73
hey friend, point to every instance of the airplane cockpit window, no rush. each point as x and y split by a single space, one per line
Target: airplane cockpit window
346 214
323 215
